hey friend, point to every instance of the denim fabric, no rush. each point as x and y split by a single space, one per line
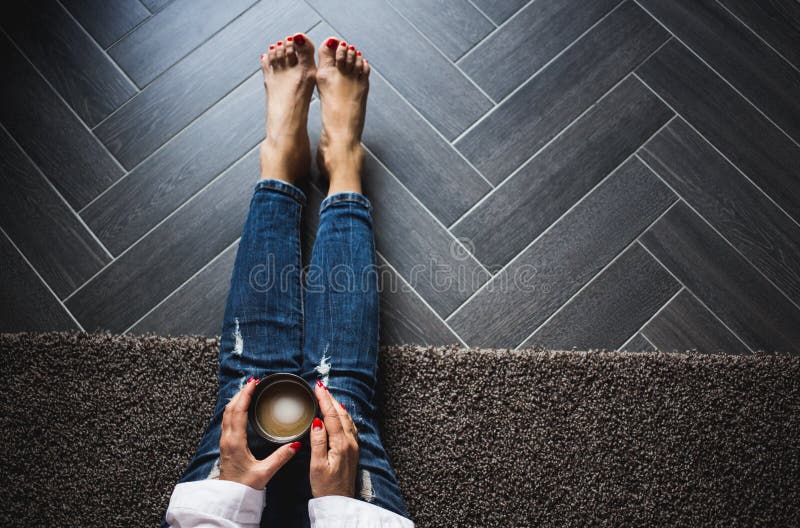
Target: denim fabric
321 324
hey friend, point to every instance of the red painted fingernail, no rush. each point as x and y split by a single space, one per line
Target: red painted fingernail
316 424
299 40
343 44
319 383
289 39
295 446
358 53
272 47
325 387
249 379
343 407
331 43
256 379
280 43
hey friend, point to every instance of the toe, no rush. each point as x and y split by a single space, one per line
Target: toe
280 53
271 55
366 70
350 59
327 52
341 55
291 56
359 64
304 49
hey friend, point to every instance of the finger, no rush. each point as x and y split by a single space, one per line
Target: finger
236 411
270 465
348 424
333 424
319 444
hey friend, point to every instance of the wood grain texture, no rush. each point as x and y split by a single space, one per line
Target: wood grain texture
611 307
169 255
729 122
420 158
438 90
526 121
737 54
748 304
544 276
172 33
422 251
197 307
198 81
55 139
176 172
454 26
549 184
66 56
776 21
732 204
685 324
63 251
107 21
638 344
28 306
499 10
538 33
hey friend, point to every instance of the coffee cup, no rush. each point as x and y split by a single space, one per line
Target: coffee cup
282 408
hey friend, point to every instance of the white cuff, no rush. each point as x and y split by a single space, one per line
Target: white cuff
336 511
213 502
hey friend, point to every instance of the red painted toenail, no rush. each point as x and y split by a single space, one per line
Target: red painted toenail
272 47
332 42
262 56
343 44
358 53
299 40
289 39
280 43
352 48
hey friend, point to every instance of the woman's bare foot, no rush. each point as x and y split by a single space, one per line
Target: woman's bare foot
289 80
343 83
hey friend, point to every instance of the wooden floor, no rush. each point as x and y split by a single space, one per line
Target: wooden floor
567 173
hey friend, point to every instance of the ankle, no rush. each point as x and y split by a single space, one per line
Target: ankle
342 161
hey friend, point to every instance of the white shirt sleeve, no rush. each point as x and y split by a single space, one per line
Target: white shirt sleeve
213 503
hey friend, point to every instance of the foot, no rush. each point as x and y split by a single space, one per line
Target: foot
289 71
343 83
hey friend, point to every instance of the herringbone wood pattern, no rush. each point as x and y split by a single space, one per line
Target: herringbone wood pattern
567 173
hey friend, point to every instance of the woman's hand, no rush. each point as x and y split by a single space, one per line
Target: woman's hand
236 462
334 448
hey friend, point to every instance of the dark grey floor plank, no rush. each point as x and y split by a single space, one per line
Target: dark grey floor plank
547 103
610 308
155 5
737 54
198 306
728 121
499 10
107 21
169 255
731 203
742 298
68 154
45 229
172 33
28 306
685 324
427 164
525 205
454 26
537 34
638 344
439 90
199 80
523 295
422 251
176 172
66 56
776 21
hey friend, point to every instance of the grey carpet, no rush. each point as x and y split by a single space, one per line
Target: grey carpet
97 428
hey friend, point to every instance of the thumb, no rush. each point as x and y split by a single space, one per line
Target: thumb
270 465
319 443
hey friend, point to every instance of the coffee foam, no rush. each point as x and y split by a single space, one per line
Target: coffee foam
284 410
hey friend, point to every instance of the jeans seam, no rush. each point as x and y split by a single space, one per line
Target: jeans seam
351 197
282 187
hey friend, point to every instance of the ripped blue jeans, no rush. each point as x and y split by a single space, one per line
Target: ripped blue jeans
319 323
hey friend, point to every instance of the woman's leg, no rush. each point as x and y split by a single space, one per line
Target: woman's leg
262 331
341 300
